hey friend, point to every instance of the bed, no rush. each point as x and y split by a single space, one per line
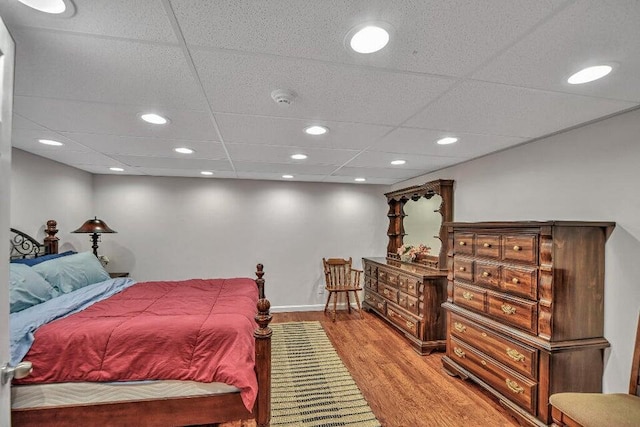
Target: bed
161 353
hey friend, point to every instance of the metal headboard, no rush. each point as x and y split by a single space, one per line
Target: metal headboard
21 245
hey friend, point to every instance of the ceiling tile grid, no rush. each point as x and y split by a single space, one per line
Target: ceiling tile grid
490 72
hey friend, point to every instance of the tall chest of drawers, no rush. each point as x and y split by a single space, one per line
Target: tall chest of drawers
408 296
525 310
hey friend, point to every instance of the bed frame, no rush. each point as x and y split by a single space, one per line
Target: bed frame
174 411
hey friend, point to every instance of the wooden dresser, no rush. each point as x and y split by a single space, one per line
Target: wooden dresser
525 310
409 297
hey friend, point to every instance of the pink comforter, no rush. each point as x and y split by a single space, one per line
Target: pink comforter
198 330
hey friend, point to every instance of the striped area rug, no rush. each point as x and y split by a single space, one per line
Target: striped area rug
309 384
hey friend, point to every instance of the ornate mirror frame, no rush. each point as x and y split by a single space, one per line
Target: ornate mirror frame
397 199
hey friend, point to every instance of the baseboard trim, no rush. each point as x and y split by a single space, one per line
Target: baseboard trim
311 307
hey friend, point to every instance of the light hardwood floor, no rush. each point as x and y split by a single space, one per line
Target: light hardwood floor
403 388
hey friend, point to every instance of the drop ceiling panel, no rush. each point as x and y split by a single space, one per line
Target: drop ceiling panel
487 108
423 141
112 119
139 146
102 170
376 159
586 33
283 168
427 36
388 173
19 122
239 83
27 139
174 163
278 177
191 173
282 131
350 180
77 158
67 66
274 154
135 19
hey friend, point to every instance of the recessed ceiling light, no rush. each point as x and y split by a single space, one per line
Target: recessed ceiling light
153 118
206 173
299 156
398 162
116 169
360 179
287 176
447 140
368 39
50 142
589 74
183 150
55 7
316 130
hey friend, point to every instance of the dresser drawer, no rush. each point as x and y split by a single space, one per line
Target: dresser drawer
382 275
486 275
521 248
513 386
371 283
473 298
370 269
514 355
463 269
463 243
392 279
376 302
413 305
517 312
408 323
488 245
414 286
388 292
520 281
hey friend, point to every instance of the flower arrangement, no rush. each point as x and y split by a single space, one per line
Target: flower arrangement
410 252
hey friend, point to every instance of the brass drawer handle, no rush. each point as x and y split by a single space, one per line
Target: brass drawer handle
462 269
380 305
410 325
463 243
515 280
412 304
467 295
458 352
459 327
487 245
411 287
514 387
483 363
484 334
515 355
507 309
516 248
486 274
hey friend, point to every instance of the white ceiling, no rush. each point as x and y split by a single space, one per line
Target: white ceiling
493 73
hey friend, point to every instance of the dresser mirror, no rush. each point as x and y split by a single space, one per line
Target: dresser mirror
416 216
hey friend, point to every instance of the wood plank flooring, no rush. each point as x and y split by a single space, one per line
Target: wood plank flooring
403 388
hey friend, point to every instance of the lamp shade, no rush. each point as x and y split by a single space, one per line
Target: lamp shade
94 225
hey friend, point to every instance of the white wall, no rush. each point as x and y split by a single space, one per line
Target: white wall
42 189
589 173
178 228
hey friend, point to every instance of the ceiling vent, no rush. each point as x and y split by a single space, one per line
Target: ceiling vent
283 97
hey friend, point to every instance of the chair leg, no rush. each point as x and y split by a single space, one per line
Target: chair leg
328 299
358 302
348 302
335 302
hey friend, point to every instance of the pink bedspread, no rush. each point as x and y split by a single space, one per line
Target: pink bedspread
198 330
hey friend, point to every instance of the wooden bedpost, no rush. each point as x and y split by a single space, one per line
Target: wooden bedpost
263 354
51 241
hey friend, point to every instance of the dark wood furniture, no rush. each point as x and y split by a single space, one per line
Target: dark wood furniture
119 274
593 409
408 295
184 410
341 278
525 310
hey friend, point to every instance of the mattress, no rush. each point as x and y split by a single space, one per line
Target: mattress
45 395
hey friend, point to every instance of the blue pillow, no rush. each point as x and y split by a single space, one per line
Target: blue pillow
34 261
27 288
72 272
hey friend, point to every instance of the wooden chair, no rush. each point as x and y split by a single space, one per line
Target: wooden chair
341 278
601 410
